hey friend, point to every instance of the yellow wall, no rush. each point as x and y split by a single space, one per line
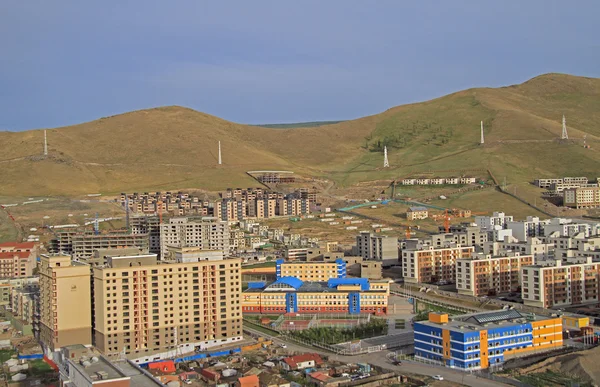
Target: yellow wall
438 318
483 349
575 322
446 343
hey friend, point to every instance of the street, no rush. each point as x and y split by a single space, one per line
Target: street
380 359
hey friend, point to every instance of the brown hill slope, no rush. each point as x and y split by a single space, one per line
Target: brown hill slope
174 147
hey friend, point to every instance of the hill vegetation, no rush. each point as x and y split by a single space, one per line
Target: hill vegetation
175 147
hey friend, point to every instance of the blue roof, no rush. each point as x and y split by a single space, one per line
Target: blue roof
290 281
335 282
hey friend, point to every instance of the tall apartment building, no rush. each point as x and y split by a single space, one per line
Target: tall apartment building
231 210
431 264
311 271
65 303
17 259
83 244
530 227
568 227
489 222
539 248
561 284
483 275
576 247
147 310
583 197
377 247
208 234
464 234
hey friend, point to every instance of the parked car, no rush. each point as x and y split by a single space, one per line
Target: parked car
438 377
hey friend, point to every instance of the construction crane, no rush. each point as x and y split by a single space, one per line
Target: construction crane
408 232
159 210
446 221
96 222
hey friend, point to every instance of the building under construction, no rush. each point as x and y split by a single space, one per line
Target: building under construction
82 244
275 178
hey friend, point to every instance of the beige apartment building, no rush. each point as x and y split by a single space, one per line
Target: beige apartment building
483 275
584 197
311 271
431 264
65 303
561 284
207 234
147 309
17 259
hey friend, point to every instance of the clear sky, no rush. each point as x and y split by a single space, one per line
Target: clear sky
255 61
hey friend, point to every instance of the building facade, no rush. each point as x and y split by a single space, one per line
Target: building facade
376 247
337 295
311 271
484 340
83 244
417 213
489 222
207 233
583 197
487 275
65 303
149 310
561 284
17 259
433 264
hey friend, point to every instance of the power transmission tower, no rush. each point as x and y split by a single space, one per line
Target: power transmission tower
564 136
482 139
220 160
45 144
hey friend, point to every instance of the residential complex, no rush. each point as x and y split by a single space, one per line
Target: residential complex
561 284
146 309
431 264
207 233
547 183
311 271
337 295
376 247
438 180
17 259
65 303
487 275
82 244
484 340
489 222
583 197
536 247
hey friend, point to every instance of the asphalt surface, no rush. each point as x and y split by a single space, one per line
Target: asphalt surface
380 359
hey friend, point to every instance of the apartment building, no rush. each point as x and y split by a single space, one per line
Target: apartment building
487 275
484 340
231 210
7 285
147 225
561 284
24 304
207 233
291 254
148 310
431 264
337 295
311 271
532 226
489 222
583 197
65 303
576 247
376 247
536 247
547 183
17 259
569 227
464 234
83 244
417 213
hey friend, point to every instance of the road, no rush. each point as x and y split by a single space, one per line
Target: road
392 341
380 359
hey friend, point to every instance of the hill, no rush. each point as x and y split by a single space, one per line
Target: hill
175 147
293 125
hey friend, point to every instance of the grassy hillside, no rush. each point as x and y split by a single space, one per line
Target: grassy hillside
175 147
311 124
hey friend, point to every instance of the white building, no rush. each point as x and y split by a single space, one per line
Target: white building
536 247
530 227
377 247
208 234
497 219
567 227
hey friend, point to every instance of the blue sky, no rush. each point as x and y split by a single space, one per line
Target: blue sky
68 61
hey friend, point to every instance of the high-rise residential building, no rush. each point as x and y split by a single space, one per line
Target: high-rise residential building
483 275
530 227
377 247
570 227
17 259
484 340
489 222
431 264
83 244
147 225
207 233
311 271
536 247
65 303
561 284
147 309
583 197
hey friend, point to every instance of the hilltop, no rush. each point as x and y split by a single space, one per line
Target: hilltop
175 147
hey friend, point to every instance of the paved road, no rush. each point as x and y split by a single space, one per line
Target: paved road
392 341
380 359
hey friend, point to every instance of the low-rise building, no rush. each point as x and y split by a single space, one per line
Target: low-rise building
483 275
301 362
337 295
561 284
416 213
484 340
17 259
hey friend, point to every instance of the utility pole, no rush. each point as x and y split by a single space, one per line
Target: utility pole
564 136
45 144
386 163
482 139
220 160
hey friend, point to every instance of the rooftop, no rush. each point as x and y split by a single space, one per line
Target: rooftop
417 209
295 284
475 322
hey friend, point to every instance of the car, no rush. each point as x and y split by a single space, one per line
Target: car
438 377
396 362
283 346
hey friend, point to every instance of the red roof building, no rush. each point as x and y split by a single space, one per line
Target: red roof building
248 381
300 362
17 259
